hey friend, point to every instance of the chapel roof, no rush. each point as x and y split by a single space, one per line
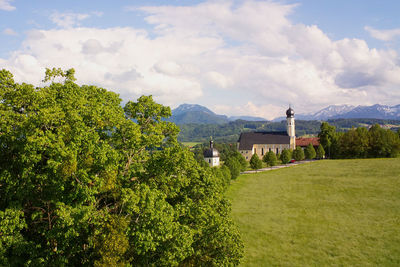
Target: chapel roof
211 152
247 140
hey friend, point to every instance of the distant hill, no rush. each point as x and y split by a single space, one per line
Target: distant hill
193 113
246 118
377 111
229 132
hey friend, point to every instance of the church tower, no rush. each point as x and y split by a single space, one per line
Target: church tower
290 127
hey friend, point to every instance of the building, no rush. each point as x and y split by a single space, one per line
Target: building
303 142
261 143
211 155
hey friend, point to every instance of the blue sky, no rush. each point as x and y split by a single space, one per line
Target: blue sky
235 57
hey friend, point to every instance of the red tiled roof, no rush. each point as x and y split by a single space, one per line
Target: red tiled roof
307 140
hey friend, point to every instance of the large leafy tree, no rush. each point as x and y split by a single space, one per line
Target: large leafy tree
86 182
327 137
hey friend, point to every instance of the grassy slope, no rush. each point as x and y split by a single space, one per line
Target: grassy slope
344 212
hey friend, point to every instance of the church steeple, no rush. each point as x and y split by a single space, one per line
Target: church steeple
290 127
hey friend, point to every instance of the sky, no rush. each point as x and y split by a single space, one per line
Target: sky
235 57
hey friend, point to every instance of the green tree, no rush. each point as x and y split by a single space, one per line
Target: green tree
327 136
286 156
298 154
255 162
86 182
354 143
270 159
234 166
320 152
383 143
309 152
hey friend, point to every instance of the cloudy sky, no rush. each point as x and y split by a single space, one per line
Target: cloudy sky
235 57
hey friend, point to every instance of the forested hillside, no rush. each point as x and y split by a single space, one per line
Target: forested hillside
230 132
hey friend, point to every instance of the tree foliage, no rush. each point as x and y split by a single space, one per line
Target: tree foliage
298 154
86 182
255 162
309 152
234 166
286 156
270 159
362 143
320 154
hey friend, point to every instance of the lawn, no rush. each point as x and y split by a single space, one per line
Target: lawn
332 212
191 144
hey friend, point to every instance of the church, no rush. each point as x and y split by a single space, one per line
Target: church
261 143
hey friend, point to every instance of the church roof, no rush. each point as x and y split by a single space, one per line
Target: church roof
304 141
247 140
290 113
211 152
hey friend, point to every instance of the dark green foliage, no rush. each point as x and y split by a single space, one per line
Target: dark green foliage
255 162
360 142
327 136
85 182
229 132
298 154
234 166
270 159
320 154
309 152
286 156
354 143
383 143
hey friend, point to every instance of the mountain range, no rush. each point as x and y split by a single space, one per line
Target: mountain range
352 112
193 113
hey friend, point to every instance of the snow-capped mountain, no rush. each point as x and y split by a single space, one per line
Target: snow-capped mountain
332 111
351 112
375 112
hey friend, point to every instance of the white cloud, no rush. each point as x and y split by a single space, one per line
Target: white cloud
5 5
248 57
383 35
10 32
268 112
67 20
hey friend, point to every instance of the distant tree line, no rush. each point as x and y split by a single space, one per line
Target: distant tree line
229 132
359 142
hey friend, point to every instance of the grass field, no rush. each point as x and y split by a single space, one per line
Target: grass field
326 213
191 144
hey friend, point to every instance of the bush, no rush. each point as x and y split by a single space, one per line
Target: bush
298 154
320 152
255 162
286 156
310 152
270 159
234 166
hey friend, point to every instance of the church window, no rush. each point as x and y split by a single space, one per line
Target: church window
262 151
277 151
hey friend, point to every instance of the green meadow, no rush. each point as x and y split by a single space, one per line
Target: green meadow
325 213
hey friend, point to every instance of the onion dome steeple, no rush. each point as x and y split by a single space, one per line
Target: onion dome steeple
211 152
290 113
